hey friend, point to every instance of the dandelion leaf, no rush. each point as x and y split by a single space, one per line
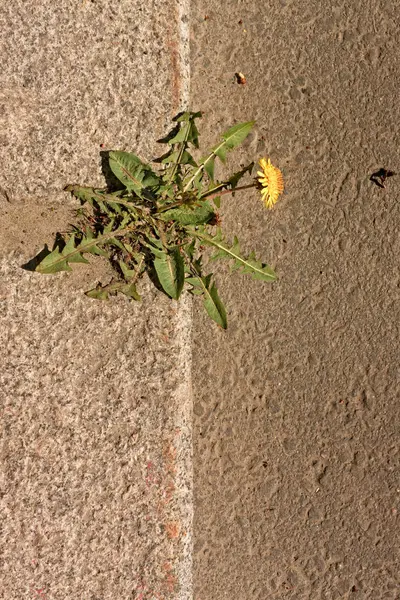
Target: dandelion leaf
212 302
233 137
248 265
103 292
170 270
177 157
187 215
132 172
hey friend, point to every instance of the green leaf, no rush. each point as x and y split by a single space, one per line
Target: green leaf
212 302
220 151
190 249
186 215
132 172
130 291
236 177
237 134
170 270
132 274
115 242
231 139
126 271
178 157
53 263
214 307
181 136
99 293
58 260
209 168
101 198
102 292
186 116
187 132
90 195
249 265
71 253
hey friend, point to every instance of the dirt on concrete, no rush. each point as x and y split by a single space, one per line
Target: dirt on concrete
297 405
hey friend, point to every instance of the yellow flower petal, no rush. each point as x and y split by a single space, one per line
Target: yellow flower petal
271 180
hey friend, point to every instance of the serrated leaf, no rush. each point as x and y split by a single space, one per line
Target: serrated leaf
98 293
131 291
190 249
231 139
177 157
115 242
249 265
101 198
212 302
235 135
170 270
59 261
155 246
220 151
132 172
186 116
102 292
129 273
236 177
215 307
53 263
68 250
126 271
186 215
181 136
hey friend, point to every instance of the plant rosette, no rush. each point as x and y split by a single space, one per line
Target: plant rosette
160 222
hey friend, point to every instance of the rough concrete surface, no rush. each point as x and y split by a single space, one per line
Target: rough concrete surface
297 405
95 493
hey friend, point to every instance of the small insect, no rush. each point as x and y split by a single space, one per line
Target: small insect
380 176
240 78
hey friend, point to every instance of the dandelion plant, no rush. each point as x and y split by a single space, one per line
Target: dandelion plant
160 220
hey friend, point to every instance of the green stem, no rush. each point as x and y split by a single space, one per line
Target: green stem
181 151
231 191
174 205
207 195
138 270
201 167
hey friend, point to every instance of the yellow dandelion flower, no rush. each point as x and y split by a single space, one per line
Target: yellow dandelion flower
271 180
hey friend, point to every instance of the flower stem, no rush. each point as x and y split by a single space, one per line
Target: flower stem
173 205
231 191
205 197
